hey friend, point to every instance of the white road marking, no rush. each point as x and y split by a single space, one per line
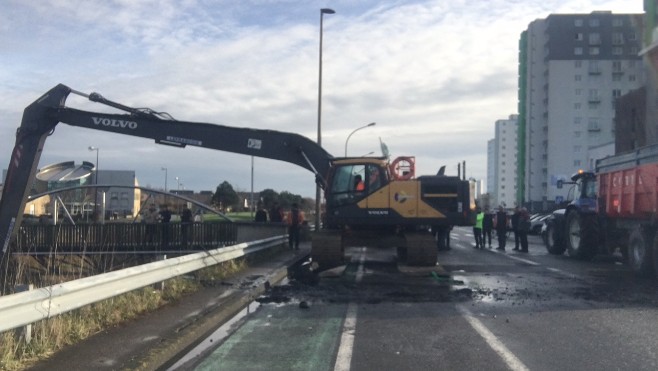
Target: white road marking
508 357
522 260
344 357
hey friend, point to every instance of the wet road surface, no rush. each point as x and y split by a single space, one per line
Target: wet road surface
479 309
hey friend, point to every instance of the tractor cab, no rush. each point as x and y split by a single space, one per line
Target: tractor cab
585 190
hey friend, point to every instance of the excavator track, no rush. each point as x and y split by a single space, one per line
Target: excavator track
327 249
421 249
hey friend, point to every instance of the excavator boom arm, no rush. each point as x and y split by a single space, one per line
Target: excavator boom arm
41 117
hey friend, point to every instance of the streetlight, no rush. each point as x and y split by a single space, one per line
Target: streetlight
166 176
323 11
92 148
354 131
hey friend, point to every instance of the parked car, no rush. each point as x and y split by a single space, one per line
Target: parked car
537 223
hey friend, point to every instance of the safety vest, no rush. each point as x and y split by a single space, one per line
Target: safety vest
478 220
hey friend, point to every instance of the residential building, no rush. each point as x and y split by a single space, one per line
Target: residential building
502 163
572 68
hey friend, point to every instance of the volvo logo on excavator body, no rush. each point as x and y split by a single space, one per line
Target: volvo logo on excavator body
115 123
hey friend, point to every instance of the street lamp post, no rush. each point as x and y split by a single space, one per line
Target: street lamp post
354 131
92 148
323 11
166 176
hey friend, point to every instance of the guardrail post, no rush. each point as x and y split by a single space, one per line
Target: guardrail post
160 286
26 331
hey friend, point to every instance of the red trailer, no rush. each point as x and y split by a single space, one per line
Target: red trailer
620 214
627 203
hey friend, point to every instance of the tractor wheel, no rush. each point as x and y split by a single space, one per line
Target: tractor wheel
582 235
640 251
554 245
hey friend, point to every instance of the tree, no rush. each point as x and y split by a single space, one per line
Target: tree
268 197
286 199
225 197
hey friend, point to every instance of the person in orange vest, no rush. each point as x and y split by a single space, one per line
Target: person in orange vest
294 219
359 185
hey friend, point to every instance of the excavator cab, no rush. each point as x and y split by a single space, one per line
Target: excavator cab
352 180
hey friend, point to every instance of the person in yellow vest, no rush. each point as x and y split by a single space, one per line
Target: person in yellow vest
294 219
477 229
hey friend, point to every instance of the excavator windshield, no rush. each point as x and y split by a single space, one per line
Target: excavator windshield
352 182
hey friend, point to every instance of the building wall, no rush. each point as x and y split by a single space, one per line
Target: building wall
492 170
506 159
577 64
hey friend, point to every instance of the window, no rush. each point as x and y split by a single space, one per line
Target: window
577 106
594 50
594 68
576 163
577 149
616 77
578 64
595 38
617 38
616 93
577 120
631 77
617 22
578 51
578 36
617 50
578 22
632 36
578 78
576 134
594 22
579 91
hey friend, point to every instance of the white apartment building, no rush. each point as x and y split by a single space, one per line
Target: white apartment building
571 69
501 163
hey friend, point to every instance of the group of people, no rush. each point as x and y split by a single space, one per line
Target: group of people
294 219
486 222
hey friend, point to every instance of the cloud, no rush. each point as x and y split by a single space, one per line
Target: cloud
434 75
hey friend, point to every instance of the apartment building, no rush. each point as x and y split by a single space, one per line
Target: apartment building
502 163
572 68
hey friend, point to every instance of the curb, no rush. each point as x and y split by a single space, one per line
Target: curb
187 336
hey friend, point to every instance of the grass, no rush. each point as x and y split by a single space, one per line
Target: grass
49 336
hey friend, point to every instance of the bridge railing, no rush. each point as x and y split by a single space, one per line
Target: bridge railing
24 308
111 238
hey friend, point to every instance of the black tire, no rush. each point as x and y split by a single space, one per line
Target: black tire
553 243
581 235
640 251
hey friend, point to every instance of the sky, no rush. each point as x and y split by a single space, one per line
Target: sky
434 75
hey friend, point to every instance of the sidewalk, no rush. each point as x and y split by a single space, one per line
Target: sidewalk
150 342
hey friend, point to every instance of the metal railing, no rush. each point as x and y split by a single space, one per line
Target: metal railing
27 307
111 238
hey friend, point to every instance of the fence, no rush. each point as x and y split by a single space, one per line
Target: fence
110 238
23 308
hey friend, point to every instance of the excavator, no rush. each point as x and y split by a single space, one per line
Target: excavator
392 207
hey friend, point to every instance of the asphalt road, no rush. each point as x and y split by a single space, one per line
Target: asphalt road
479 309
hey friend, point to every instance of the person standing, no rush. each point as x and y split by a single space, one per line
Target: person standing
261 214
515 227
500 223
524 228
276 214
185 223
294 219
487 227
477 229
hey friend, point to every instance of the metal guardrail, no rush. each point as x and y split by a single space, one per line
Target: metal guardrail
27 307
140 238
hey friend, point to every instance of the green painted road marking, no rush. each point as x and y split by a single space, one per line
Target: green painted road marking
282 338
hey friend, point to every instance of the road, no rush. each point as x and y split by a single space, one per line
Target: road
481 309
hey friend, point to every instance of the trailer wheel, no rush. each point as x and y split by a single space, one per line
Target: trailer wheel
553 244
582 235
640 251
